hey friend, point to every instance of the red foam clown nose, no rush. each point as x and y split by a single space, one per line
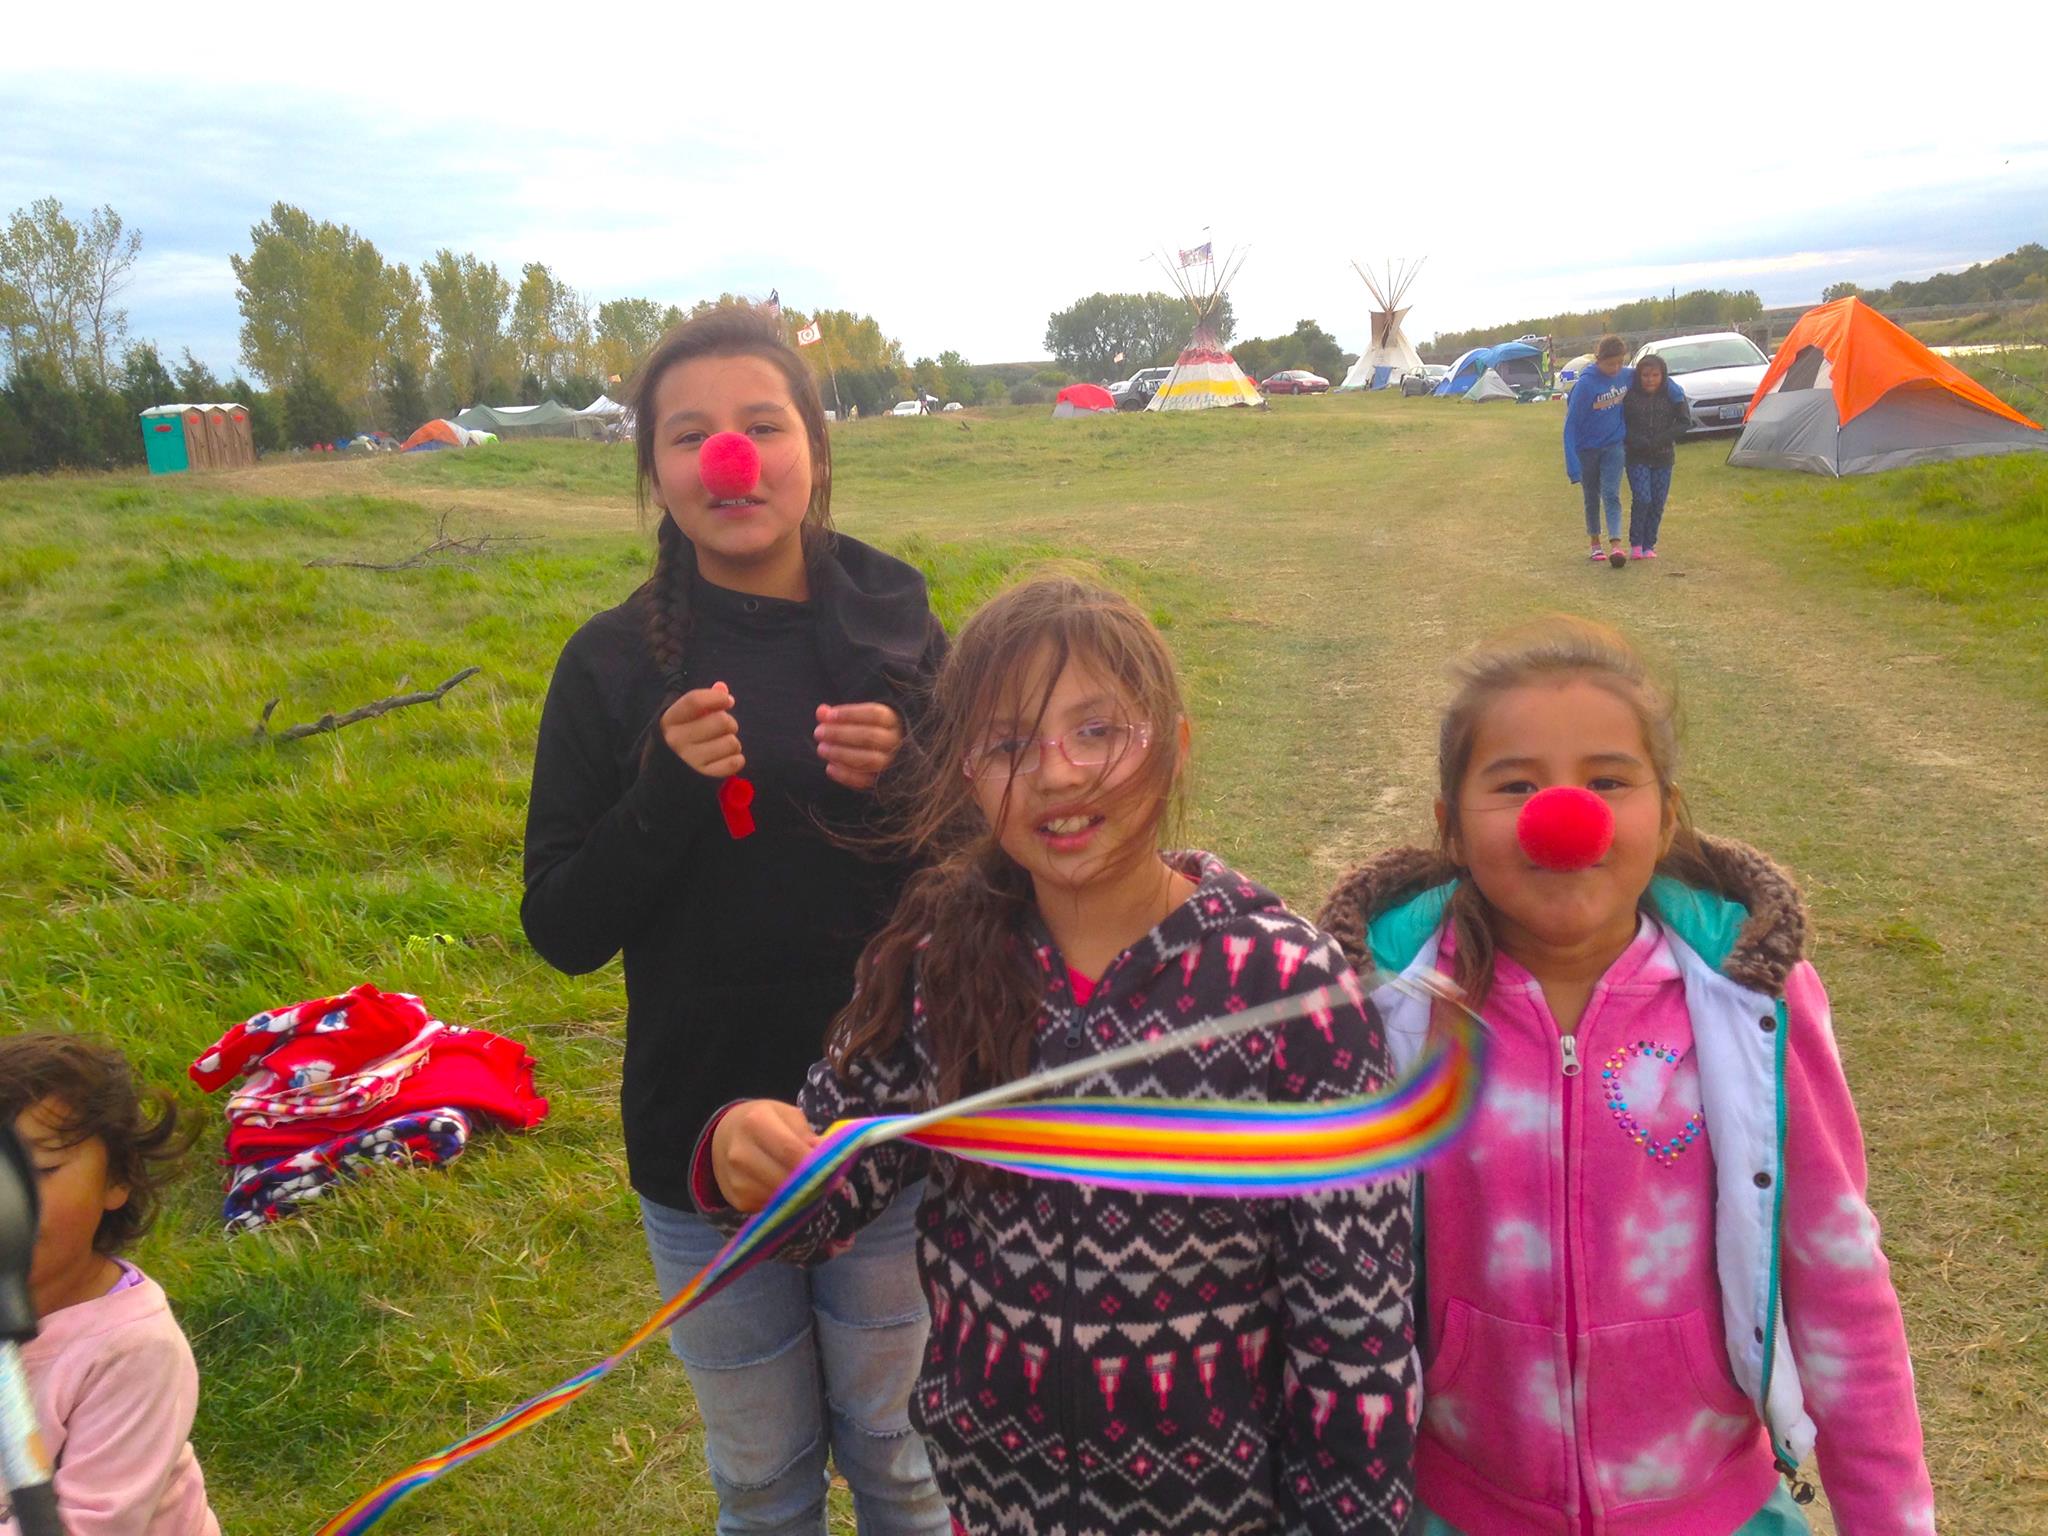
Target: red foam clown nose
729 464
1565 827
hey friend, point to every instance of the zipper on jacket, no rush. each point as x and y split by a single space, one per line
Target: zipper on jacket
1568 1060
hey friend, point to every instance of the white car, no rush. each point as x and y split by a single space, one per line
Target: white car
906 408
1718 370
952 405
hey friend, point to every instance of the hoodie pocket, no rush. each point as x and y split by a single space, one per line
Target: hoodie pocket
1495 1399
1662 1410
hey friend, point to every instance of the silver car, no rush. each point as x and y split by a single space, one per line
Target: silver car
1718 370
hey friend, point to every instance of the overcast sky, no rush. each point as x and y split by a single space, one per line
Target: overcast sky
961 178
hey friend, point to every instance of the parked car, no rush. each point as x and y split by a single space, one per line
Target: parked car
1294 381
1423 380
952 405
1136 392
1718 370
907 408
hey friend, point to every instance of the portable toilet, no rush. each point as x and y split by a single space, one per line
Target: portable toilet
176 438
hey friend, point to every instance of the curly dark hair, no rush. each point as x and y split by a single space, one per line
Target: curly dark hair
90 1092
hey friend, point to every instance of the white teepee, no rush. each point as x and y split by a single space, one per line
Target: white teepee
1390 354
1204 374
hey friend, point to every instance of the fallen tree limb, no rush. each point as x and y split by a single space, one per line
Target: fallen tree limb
334 722
442 545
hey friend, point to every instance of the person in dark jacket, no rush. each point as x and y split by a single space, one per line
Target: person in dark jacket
762 679
1105 1362
1657 415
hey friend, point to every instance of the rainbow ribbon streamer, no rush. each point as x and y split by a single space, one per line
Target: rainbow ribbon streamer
1156 1146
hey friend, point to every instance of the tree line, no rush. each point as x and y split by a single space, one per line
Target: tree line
2020 274
338 339
1705 307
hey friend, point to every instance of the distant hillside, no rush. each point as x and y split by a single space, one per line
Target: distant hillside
2020 274
2014 279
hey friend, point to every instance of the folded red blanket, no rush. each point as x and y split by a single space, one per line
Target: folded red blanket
470 1069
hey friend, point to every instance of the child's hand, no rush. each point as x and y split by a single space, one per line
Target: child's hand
754 1147
857 741
699 728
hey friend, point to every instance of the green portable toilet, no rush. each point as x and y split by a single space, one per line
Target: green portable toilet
163 439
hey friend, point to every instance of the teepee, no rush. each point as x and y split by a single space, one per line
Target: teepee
1204 374
1391 354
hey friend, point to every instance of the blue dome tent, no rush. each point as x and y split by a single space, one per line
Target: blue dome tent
1520 367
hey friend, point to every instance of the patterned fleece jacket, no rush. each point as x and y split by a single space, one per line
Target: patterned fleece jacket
1577 1352
1104 1363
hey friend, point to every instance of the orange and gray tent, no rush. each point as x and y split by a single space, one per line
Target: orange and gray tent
1083 400
436 434
1849 393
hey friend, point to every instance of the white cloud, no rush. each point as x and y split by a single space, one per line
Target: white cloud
962 173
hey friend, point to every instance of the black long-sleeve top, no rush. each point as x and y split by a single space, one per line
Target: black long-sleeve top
738 952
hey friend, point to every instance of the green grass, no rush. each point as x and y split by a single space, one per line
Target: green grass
1861 665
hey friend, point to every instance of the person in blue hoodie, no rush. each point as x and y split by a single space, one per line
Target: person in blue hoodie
1595 439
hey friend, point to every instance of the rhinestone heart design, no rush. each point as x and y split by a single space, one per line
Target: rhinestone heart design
1667 1151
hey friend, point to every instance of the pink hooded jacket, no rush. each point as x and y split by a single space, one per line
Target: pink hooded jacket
115 1388
1631 1327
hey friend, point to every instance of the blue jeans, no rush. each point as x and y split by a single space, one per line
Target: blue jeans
1649 487
1779 1517
790 1363
1600 479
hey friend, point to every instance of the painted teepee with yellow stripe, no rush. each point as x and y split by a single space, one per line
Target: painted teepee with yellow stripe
1204 375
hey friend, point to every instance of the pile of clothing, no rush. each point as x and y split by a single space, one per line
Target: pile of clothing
336 1085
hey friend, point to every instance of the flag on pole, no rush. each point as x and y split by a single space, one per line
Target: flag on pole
1202 252
809 334
775 302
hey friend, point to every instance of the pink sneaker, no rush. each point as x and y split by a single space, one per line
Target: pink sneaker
1635 551
1599 554
1649 554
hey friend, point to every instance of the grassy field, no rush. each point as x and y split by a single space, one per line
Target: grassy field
1865 696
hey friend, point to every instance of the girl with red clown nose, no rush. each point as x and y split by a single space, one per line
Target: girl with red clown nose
1653 1286
703 777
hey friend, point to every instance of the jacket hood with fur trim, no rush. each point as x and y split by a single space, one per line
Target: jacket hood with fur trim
1753 934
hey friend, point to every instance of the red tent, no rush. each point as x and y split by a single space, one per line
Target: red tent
1082 400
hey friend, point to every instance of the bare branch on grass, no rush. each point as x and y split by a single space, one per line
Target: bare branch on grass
334 722
440 550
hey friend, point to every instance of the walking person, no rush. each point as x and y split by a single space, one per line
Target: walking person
1656 415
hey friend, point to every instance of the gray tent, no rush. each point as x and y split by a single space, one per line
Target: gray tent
1850 393
1793 428
1491 386
548 416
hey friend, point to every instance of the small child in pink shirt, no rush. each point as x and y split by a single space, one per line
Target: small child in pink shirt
1651 1284
110 1372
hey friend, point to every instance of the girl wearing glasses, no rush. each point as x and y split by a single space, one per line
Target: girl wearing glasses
1103 1361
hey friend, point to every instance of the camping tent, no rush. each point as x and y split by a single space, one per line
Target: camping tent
1490 387
1850 393
605 408
176 438
1390 354
549 415
1204 375
1568 375
1083 400
438 434
1519 365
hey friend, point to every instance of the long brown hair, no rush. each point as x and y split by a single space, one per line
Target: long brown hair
91 1092
961 916
732 330
1559 647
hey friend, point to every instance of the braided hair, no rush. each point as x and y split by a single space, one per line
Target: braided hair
731 330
